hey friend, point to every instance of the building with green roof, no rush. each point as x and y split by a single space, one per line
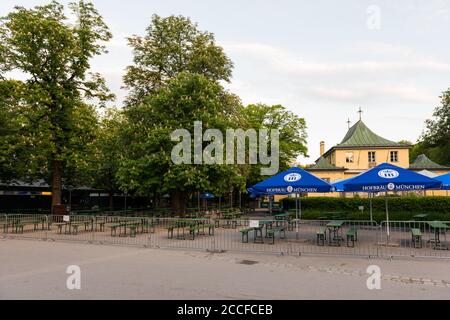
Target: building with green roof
362 149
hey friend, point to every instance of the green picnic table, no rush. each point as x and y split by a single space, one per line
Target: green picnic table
281 216
439 227
334 227
420 217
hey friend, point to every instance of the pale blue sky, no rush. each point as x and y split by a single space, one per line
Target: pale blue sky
318 58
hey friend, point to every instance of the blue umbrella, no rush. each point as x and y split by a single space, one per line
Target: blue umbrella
293 180
207 195
387 177
445 179
338 186
254 193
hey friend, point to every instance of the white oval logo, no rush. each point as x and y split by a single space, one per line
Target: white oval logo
391 186
289 189
388 173
292 177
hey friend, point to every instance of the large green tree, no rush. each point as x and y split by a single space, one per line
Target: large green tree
148 165
53 56
107 154
292 133
172 45
435 141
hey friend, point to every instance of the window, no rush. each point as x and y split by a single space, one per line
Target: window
394 156
349 157
371 157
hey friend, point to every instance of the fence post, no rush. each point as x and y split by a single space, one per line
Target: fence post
94 227
46 225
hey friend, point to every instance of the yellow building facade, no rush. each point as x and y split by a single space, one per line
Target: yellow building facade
362 149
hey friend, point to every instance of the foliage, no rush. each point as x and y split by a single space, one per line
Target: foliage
147 166
292 130
435 141
172 45
413 204
56 123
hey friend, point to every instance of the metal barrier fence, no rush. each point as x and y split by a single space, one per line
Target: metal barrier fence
295 237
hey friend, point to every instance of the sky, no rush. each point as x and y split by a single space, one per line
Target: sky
321 59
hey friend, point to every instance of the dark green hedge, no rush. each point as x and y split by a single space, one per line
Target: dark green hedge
430 205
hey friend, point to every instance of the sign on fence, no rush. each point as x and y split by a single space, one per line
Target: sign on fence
254 223
66 218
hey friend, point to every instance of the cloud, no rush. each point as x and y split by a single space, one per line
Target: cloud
366 92
284 61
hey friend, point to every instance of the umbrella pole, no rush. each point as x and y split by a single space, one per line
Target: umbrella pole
387 218
371 209
198 200
296 217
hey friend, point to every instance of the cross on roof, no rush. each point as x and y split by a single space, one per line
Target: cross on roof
349 123
360 113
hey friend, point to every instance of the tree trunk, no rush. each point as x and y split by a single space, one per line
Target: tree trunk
178 202
56 183
111 200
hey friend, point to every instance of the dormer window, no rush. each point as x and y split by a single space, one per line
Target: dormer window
371 156
394 156
349 157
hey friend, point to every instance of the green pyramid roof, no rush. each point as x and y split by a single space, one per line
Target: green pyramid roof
323 164
423 162
359 135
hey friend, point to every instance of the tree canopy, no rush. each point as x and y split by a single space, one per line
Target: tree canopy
53 124
54 56
170 46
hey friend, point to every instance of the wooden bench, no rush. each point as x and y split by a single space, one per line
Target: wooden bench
352 235
321 234
244 233
60 225
114 227
4 226
416 237
271 233
18 227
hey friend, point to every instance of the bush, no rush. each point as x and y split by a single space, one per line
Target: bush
400 208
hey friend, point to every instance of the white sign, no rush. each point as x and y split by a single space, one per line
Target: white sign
388 174
361 208
254 224
292 177
66 218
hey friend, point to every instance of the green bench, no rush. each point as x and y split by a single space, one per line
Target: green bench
321 234
416 237
271 233
244 233
352 235
201 227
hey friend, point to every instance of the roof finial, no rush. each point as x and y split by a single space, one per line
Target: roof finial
349 123
360 113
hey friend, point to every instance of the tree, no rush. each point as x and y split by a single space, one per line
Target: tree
54 57
107 153
172 45
292 138
148 166
436 139
9 128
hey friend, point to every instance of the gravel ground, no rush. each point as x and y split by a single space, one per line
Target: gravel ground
37 270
